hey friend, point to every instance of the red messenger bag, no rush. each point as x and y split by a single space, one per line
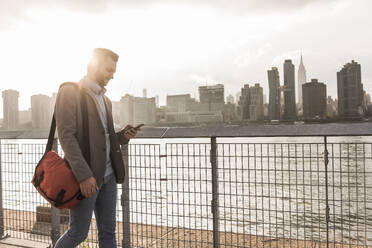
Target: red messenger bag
53 177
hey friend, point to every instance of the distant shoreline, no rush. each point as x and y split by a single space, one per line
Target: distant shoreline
234 123
223 130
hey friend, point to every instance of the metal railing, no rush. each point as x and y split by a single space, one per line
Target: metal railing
214 194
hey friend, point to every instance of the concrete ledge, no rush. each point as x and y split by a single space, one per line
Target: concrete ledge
14 242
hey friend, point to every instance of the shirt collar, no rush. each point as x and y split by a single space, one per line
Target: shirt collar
93 86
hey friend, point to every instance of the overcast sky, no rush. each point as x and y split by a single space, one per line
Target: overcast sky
172 47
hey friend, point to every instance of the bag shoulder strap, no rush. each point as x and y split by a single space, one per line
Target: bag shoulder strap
84 146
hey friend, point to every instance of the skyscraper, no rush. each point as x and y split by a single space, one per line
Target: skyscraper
289 91
212 93
250 105
349 90
301 81
212 98
180 103
126 110
144 93
41 111
244 102
137 110
314 99
10 109
144 109
274 95
256 108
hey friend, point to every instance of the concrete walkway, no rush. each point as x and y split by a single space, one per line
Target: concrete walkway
14 242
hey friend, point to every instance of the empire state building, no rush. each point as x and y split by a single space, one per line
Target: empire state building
301 81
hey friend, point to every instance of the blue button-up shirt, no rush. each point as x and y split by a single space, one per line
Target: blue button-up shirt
98 93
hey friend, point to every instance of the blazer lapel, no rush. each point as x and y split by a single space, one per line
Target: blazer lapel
91 95
110 123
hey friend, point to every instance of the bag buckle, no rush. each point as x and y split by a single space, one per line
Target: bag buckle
38 179
59 200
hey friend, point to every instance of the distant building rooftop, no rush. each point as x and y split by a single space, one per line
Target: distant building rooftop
210 87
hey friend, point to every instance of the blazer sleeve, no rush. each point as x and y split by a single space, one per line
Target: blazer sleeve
66 118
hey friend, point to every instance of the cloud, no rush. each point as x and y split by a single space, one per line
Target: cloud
201 79
235 5
12 11
251 56
287 55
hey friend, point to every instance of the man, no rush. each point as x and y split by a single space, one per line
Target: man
97 179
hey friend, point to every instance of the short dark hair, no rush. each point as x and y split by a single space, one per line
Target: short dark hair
102 53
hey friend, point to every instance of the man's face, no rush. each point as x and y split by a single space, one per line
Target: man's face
105 71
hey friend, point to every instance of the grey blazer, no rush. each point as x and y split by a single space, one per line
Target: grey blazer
70 132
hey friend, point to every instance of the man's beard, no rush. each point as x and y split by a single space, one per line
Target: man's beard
101 81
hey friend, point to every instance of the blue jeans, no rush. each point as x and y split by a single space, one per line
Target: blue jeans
103 203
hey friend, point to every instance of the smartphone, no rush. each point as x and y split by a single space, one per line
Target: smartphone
126 129
139 126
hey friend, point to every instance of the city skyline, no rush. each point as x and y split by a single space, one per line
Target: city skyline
276 76
193 93
214 107
273 80
161 47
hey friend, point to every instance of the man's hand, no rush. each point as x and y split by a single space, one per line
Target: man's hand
130 132
88 187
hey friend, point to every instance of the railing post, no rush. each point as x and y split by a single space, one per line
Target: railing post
125 199
215 203
326 160
55 230
1 201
